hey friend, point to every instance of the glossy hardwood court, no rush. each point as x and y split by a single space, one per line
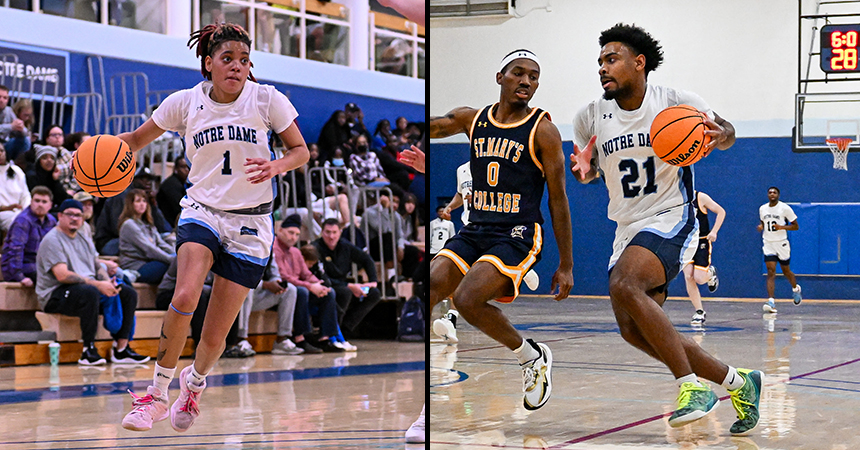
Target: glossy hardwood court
608 395
361 400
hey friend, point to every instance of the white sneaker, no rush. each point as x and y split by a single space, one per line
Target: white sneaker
147 409
446 328
286 347
246 347
186 408
795 293
346 346
698 318
769 306
537 378
415 433
532 280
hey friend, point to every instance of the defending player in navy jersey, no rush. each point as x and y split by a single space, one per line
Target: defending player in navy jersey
656 232
515 149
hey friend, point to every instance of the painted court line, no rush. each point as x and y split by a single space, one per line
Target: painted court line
230 379
198 436
313 443
491 347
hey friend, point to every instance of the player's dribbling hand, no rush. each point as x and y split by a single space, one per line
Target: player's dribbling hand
564 280
265 169
581 160
716 132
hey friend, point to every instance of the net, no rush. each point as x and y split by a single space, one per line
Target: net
839 148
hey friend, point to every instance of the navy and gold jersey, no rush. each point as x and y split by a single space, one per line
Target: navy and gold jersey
702 217
507 177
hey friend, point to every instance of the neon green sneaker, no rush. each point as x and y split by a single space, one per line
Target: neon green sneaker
694 402
745 399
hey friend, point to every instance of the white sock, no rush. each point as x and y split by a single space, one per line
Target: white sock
195 379
796 288
691 378
526 353
770 300
733 380
162 378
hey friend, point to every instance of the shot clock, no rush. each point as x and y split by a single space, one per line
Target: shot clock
839 48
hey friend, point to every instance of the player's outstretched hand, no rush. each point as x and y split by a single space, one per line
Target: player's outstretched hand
413 158
564 280
581 160
264 168
716 132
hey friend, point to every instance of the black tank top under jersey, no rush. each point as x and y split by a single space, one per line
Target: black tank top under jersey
704 225
507 177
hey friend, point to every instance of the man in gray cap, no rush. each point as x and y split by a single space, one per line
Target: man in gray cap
71 281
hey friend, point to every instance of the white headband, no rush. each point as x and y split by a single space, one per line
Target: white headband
517 55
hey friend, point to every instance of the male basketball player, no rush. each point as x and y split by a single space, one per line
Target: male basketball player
446 326
702 271
775 219
651 202
515 149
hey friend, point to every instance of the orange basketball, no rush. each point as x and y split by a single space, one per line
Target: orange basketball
678 135
104 165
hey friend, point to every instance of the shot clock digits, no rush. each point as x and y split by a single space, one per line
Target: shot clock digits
839 48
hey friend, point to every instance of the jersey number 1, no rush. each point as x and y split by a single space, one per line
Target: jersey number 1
226 170
632 169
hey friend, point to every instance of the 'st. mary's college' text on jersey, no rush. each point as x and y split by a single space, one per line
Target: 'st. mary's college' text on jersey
507 177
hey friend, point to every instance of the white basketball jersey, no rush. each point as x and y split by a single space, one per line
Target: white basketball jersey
464 187
781 214
219 136
440 231
640 184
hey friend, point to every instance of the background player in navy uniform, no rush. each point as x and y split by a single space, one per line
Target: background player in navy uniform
775 218
226 221
514 149
701 271
656 233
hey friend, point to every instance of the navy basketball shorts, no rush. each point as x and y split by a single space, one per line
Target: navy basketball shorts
241 244
702 259
671 235
513 250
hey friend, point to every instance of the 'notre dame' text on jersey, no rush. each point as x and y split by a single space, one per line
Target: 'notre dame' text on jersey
507 177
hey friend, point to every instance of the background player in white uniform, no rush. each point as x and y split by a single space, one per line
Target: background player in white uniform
775 217
701 271
226 222
657 231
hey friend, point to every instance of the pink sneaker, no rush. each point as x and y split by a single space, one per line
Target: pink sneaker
147 409
184 409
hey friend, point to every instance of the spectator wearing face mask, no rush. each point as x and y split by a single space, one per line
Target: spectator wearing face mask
365 165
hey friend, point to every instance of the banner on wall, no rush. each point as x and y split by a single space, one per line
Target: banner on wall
35 71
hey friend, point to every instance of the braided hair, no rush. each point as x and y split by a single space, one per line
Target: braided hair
210 37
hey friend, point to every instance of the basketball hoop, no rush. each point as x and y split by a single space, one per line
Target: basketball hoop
839 148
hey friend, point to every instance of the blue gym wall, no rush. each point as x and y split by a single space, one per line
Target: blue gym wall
737 179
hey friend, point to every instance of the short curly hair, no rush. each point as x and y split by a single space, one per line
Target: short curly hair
637 39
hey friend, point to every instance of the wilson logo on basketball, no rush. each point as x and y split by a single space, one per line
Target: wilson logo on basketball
683 157
126 160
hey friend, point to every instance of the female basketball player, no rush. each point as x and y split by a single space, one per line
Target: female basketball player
226 222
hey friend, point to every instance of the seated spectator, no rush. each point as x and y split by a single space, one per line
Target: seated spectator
400 125
354 300
142 250
365 166
45 173
172 190
384 230
165 295
89 204
409 223
19 140
334 135
6 115
310 290
18 260
395 170
56 138
107 224
312 261
71 281
271 291
380 136
332 206
74 140
355 121
14 193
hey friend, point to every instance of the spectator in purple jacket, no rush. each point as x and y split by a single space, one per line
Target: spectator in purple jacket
18 260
